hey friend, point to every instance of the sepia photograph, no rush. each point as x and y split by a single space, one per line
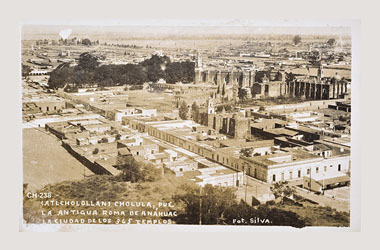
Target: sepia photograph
177 123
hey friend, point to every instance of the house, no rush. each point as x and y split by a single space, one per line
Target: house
180 166
135 141
320 182
217 176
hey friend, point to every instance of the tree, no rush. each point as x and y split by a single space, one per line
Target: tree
106 83
150 173
242 94
183 110
289 77
179 72
331 41
25 70
228 107
207 205
104 140
87 62
88 71
195 111
135 171
60 76
86 41
296 39
129 167
282 190
216 205
262 215
154 67
247 152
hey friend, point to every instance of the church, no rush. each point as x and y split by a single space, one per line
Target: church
270 83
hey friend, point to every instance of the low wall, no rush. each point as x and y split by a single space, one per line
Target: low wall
95 168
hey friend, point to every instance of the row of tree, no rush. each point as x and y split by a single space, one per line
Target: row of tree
134 171
297 39
88 71
214 205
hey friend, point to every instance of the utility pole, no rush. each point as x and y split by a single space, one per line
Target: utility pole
200 206
310 181
323 184
246 186
246 183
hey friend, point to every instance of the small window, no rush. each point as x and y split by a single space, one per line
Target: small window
339 167
299 173
181 170
308 171
325 168
317 170
274 177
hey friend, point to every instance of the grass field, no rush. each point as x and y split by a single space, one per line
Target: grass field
160 101
45 161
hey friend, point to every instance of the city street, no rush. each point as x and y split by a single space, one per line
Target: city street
325 201
261 191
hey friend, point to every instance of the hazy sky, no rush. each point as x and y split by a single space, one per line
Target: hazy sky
162 27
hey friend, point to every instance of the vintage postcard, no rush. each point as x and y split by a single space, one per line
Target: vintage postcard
189 123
